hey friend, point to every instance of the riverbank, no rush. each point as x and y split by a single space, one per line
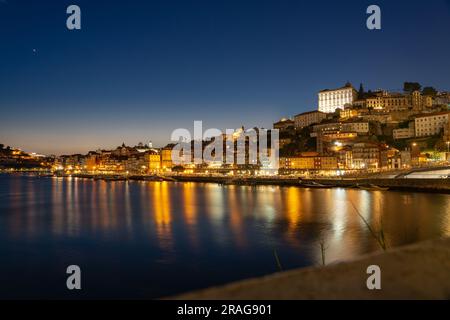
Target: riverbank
194 235
419 271
372 183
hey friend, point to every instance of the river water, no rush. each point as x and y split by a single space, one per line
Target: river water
153 239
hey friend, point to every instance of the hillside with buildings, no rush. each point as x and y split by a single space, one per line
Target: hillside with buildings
359 130
350 131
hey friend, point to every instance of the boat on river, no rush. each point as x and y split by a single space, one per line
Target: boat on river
372 187
313 184
114 178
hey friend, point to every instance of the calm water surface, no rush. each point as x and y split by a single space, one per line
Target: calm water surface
147 240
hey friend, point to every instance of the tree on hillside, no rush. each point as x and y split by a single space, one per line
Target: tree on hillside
404 124
361 92
410 87
369 94
429 91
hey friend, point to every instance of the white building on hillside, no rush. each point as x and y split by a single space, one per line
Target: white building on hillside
431 124
330 100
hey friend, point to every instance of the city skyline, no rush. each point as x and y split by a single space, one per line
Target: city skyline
143 70
224 151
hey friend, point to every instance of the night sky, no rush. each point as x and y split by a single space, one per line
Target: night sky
139 69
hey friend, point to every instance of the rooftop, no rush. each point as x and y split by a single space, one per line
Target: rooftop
309 112
348 85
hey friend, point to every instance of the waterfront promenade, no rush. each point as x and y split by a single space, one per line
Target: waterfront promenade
427 185
372 182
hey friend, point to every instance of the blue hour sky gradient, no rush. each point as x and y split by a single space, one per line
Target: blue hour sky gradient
139 69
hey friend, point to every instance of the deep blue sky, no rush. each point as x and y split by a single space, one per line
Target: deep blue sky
139 69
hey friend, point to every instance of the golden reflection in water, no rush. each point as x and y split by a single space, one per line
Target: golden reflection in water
190 213
233 214
163 218
288 208
249 200
363 205
307 203
340 214
266 203
293 210
114 193
68 201
30 213
127 208
236 216
216 206
57 205
104 212
73 207
93 198
336 212
102 206
189 203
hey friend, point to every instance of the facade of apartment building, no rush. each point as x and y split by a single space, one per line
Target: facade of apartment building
359 127
431 124
388 102
308 118
309 163
368 156
153 161
403 133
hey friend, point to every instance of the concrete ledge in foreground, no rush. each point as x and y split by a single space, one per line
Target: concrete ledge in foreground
419 271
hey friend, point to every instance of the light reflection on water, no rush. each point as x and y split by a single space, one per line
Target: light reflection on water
160 238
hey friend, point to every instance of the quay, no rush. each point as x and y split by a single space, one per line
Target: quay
370 183
423 185
373 183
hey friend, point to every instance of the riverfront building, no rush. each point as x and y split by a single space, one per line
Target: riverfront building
309 162
367 155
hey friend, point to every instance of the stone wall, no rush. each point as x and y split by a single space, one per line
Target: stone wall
420 271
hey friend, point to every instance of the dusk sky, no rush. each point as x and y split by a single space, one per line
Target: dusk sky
140 69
